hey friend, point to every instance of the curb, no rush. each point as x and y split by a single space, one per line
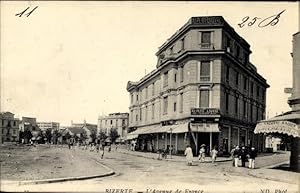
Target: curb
109 173
172 160
66 179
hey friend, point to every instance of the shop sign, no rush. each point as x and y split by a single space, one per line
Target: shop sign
205 111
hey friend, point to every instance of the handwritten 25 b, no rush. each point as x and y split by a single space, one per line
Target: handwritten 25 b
272 20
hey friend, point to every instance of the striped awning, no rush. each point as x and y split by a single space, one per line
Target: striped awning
278 126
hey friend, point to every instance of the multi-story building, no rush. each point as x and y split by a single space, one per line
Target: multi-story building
48 125
118 121
204 90
9 127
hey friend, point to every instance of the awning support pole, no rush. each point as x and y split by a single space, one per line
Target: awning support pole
210 141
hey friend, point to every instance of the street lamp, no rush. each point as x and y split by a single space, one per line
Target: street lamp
171 143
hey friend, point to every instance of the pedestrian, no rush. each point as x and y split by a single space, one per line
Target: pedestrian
231 155
202 153
102 152
252 156
236 155
213 153
98 147
189 155
109 148
243 156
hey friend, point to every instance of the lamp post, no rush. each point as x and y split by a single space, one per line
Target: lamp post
170 143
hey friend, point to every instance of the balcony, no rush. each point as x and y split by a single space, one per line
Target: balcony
208 46
204 78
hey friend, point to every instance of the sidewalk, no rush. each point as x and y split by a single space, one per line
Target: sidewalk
174 158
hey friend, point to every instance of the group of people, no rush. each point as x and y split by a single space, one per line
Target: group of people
92 147
243 154
202 154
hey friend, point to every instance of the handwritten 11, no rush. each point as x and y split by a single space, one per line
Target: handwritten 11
27 14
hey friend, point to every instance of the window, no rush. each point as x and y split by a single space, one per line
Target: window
174 107
166 76
251 88
257 113
165 105
14 131
116 122
238 51
246 58
153 89
227 73
136 117
137 97
205 39
245 108
140 114
205 71
181 102
251 112
204 98
182 43
257 91
146 113
236 103
228 44
237 78
171 50
131 115
131 98
226 102
123 122
146 92
175 77
153 109
181 74
245 82
263 96
111 122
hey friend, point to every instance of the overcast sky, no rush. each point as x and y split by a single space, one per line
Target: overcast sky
72 60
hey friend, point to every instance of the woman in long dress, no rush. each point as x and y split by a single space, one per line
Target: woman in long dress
189 155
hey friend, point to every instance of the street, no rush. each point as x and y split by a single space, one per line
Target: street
140 174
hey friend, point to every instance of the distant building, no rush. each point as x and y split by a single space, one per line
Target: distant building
48 125
118 121
204 90
9 127
80 132
90 125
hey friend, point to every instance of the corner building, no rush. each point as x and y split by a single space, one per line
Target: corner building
204 90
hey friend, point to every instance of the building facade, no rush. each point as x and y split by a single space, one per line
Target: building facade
118 121
204 90
9 127
48 125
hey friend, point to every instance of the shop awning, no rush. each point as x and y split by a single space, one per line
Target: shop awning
278 126
131 136
205 127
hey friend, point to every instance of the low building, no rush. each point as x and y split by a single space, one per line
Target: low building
117 121
204 90
28 129
9 127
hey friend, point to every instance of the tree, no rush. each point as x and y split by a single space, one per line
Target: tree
93 136
48 135
102 136
113 135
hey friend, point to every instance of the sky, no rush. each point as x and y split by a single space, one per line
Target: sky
72 60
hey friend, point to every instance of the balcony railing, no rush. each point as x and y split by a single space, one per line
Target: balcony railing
206 46
204 78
